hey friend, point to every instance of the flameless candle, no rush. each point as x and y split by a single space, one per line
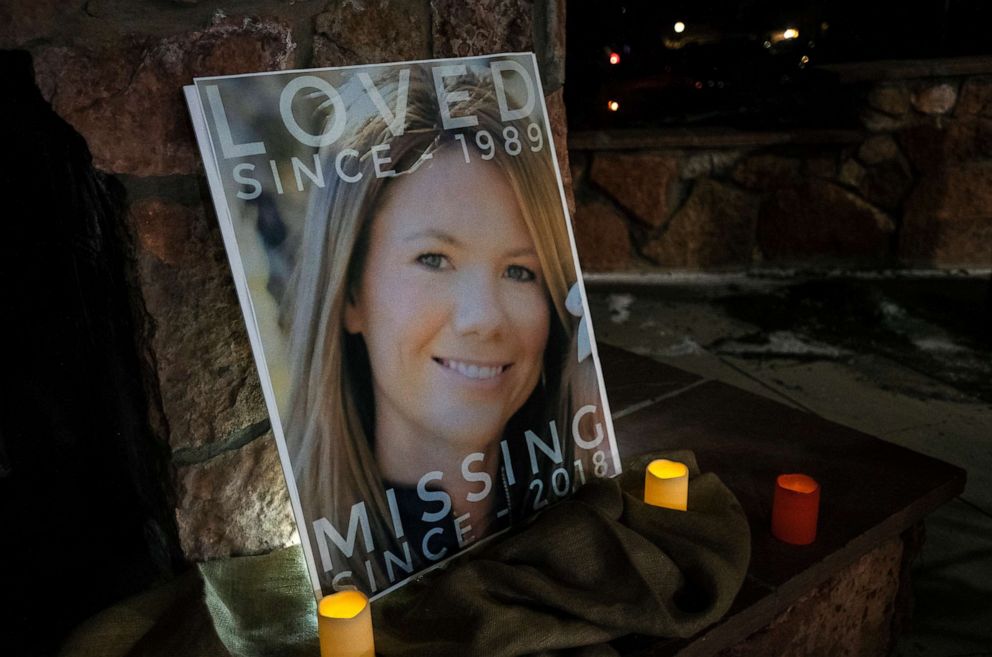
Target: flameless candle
344 625
666 483
795 508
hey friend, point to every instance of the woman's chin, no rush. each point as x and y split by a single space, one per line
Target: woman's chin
469 434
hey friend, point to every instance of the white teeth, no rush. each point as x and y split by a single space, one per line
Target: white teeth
473 371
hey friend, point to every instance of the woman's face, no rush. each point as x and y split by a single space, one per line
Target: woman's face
451 305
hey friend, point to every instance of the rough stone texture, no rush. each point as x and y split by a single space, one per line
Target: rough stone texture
890 98
646 184
764 172
578 163
820 165
699 164
22 21
964 138
462 28
601 236
881 173
852 173
559 132
850 615
819 220
935 99
877 149
549 42
948 219
887 184
969 138
877 121
924 145
127 101
209 387
714 229
696 164
235 503
975 98
372 32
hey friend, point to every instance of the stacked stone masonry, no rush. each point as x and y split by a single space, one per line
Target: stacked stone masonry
910 189
849 615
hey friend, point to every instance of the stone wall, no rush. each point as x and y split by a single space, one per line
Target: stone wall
850 615
114 70
911 188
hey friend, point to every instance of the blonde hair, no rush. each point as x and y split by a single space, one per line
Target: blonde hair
329 406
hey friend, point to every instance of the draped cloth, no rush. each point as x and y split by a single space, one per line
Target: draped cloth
591 569
594 568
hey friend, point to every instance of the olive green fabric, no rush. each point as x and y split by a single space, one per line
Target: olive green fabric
262 606
589 570
596 567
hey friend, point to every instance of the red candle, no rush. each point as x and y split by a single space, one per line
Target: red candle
795 509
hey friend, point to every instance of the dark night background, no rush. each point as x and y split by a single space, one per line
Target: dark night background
726 67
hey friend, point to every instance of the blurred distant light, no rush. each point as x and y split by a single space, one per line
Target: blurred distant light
767 44
699 84
679 27
613 105
790 33
614 58
804 59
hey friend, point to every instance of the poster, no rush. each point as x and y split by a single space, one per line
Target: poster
400 245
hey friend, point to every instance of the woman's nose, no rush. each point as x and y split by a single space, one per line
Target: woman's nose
479 309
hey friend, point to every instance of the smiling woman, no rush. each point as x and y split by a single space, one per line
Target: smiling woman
454 315
438 394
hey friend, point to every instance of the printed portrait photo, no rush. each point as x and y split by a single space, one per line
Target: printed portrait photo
403 255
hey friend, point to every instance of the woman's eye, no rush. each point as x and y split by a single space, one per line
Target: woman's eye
520 273
433 260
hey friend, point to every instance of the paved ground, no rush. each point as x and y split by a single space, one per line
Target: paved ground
905 359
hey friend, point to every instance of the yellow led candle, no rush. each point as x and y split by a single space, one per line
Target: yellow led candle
666 483
344 625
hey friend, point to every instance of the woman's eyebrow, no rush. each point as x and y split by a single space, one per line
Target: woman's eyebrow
432 233
522 251
448 238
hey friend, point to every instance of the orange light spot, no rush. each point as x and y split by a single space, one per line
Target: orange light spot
614 58
798 483
665 469
613 105
343 604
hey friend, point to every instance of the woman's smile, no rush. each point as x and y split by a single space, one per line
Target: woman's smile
474 370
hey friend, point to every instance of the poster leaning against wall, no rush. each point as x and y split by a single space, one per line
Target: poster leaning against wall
404 261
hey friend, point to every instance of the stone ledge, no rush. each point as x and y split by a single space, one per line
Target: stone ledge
905 69
850 614
674 138
746 440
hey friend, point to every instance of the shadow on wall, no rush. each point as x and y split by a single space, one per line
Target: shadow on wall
82 506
